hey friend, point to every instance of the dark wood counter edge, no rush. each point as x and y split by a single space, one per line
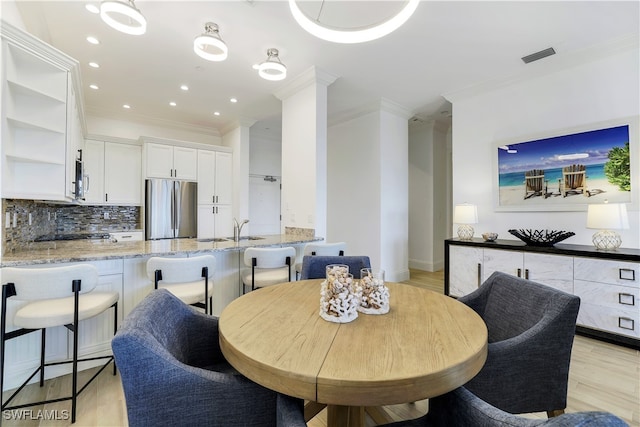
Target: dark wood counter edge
624 254
120 253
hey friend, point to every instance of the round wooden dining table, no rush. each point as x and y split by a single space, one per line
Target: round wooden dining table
426 345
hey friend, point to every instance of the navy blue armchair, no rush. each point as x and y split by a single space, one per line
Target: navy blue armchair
174 374
461 408
531 329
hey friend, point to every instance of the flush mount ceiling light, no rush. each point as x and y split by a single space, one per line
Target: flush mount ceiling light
123 16
209 45
272 69
361 35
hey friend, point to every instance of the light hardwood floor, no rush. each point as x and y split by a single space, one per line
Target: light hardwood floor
602 377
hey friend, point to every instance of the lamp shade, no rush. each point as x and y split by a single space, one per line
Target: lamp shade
465 214
607 216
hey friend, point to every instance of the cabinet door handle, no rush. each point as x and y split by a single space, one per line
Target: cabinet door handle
106 197
526 273
216 199
479 274
126 236
213 209
627 274
626 299
519 272
626 323
213 199
175 173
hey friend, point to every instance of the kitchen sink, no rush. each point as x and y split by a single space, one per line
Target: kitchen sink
214 239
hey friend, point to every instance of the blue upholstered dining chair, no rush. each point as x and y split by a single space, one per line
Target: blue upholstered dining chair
321 249
313 267
174 373
531 329
461 408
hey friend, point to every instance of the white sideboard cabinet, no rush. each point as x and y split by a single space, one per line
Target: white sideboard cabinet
41 120
607 282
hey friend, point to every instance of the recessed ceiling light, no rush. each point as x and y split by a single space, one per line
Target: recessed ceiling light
126 106
234 100
94 87
92 8
216 113
173 104
94 65
184 87
93 40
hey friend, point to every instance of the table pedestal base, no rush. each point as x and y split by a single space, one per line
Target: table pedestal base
346 416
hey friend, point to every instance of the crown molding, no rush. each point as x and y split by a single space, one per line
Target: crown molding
381 104
143 119
234 124
307 78
560 61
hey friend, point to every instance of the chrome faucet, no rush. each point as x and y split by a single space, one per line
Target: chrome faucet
237 229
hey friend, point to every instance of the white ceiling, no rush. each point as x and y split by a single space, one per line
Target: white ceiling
445 47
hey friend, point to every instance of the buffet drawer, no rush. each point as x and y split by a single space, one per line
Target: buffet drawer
622 322
607 271
612 296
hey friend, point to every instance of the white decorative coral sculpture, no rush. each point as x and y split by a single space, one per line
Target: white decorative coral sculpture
375 295
339 295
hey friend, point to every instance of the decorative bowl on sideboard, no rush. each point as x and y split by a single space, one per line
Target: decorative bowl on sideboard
541 237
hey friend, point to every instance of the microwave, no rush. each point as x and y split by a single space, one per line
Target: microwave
78 182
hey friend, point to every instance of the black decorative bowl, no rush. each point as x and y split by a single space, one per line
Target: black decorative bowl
541 237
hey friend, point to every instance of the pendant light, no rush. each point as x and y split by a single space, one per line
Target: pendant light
314 27
272 69
123 16
209 45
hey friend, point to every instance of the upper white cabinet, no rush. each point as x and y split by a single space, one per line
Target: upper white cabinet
168 161
41 121
113 173
215 177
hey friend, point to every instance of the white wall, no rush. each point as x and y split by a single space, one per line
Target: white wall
9 12
367 205
603 89
265 155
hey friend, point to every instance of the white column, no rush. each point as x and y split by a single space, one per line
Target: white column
368 186
304 152
237 137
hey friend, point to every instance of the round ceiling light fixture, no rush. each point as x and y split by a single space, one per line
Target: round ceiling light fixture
353 36
123 16
272 69
209 45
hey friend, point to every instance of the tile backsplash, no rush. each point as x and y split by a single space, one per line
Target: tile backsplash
28 221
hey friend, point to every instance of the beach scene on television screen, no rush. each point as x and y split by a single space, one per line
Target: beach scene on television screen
576 169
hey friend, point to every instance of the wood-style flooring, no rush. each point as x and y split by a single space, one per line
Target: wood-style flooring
603 377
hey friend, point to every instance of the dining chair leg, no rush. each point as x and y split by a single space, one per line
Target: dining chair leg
555 413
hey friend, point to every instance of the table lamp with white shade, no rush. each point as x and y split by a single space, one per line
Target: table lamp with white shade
464 215
606 218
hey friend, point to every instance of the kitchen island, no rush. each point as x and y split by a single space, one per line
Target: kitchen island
122 268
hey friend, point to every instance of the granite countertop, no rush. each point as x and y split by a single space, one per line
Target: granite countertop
52 252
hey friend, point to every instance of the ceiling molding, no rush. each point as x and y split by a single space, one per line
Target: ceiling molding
307 78
234 124
142 119
558 62
382 104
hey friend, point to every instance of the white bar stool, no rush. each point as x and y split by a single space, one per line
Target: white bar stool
268 266
189 279
49 297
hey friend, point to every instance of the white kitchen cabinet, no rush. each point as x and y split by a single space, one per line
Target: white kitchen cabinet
113 173
215 221
168 161
215 177
36 142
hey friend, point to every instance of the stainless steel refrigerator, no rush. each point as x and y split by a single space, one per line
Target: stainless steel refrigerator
171 209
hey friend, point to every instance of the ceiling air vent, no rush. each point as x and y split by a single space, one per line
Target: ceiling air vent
538 55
